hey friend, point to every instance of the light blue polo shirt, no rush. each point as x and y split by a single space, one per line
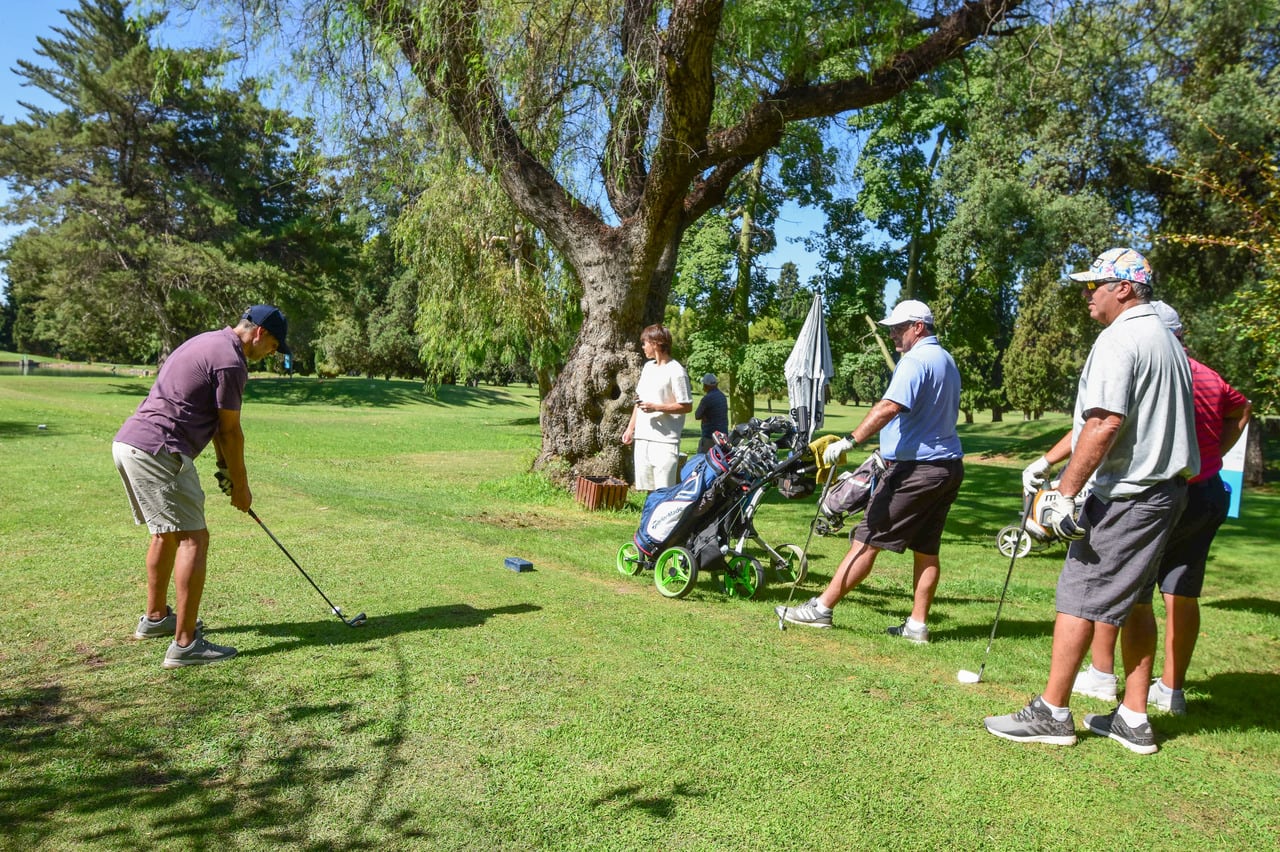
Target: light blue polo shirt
927 384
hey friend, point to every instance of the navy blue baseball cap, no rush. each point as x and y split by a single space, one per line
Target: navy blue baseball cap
270 318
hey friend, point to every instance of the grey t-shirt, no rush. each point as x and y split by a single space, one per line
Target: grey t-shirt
180 414
1138 369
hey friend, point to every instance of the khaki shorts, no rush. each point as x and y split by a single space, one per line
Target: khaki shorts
164 489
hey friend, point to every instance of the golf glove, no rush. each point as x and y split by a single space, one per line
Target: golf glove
1036 475
1061 514
224 481
831 455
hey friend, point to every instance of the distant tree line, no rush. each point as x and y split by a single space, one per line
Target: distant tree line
433 237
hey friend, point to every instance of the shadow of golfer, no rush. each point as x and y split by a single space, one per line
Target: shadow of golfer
328 631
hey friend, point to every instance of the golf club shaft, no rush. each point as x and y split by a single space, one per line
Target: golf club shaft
805 553
1022 530
334 608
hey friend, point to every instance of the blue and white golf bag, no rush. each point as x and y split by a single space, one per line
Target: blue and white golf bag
670 511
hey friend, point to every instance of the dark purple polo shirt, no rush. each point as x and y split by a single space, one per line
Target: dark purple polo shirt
180 415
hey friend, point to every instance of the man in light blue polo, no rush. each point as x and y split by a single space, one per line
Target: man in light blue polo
916 420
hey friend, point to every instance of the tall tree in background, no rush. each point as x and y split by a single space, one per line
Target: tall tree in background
158 205
677 133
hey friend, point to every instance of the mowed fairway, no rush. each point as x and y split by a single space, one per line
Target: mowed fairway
569 707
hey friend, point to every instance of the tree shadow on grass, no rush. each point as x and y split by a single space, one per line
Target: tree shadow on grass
277 795
372 393
292 634
1227 701
22 429
1257 606
661 807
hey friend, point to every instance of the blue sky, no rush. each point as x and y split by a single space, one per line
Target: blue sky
26 20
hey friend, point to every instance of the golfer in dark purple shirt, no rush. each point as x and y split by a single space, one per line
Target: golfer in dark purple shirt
196 399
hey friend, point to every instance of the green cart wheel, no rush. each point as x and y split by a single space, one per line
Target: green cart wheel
629 561
795 567
743 577
675 572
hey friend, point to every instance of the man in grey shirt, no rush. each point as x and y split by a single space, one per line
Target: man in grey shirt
1134 437
195 399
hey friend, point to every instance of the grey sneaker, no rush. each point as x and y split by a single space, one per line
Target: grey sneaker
920 637
1140 740
1095 684
806 614
198 653
1172 701
1033 724
148 629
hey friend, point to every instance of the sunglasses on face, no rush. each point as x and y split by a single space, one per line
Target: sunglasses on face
1094 285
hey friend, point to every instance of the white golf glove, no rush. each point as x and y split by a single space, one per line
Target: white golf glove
1060 513
1036 475
831 455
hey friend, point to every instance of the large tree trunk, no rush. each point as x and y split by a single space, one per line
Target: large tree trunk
585 414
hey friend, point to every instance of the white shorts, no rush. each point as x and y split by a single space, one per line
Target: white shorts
656 465
164 489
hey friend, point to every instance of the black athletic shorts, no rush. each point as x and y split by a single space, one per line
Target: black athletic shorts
910 506
1182 567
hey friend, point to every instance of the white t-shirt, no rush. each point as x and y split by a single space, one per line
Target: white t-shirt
664 383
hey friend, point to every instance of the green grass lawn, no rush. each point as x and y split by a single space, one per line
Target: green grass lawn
569 707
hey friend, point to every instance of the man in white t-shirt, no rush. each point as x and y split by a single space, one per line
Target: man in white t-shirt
663 398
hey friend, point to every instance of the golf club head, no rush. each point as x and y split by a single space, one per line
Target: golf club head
358 621
966 676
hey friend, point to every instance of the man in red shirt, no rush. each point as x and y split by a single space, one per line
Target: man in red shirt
1221 413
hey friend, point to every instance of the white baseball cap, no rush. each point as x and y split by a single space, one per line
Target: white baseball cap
909 311
1168 316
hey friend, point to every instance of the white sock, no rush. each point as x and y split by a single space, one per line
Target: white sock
822 610
913 624
1060 714
1096 673
1167 690
1131 718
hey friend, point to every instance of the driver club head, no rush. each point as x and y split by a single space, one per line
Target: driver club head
966 676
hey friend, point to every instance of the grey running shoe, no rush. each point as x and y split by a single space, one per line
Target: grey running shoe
806 614
1139 740
920 637
1173 701
1033 724
1095 684
148 629
198 653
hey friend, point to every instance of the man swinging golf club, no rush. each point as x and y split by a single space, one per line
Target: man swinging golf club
196 399
1134 434
916 421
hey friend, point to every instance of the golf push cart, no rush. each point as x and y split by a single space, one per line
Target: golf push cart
702 523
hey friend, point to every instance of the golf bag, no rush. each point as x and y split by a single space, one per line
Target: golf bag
849 495
703 522
668 509
1036 532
